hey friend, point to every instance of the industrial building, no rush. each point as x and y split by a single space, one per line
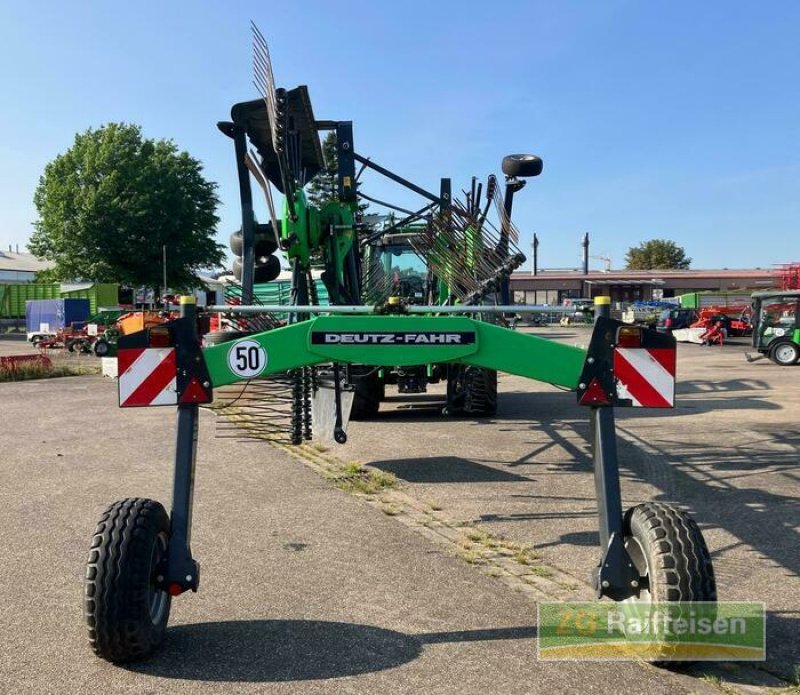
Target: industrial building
553 287
16 267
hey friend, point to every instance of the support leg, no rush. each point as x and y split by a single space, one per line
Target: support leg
182 570
616 576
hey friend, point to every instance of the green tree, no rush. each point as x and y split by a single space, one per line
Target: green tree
657 254
322 188
110 203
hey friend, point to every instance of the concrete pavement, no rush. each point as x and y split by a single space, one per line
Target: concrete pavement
304 589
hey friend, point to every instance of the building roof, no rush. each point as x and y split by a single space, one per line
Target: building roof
621 276
22 262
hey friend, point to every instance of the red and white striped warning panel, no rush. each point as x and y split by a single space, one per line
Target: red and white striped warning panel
645 376
147 376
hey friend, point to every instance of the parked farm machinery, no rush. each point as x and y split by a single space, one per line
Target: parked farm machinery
776 331
451 318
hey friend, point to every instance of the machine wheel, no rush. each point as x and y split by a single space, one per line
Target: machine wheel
71 345
101 347
369 392
475 392
669 551
126 610
785 353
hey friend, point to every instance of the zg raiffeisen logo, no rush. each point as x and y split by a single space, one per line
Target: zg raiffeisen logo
702 631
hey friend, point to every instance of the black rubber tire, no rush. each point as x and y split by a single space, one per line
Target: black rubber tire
101 348
369 392
265 242
69 346
668 549
475 392
267 271
785 353
262 272
126 613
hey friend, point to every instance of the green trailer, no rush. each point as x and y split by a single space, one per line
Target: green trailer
13 297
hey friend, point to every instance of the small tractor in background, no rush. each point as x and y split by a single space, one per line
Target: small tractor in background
776 331
441 315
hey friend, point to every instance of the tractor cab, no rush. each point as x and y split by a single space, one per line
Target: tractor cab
776 332
394 268
406 271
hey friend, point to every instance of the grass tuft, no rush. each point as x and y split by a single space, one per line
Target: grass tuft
525 556
24 371
353 477
541 571
471 557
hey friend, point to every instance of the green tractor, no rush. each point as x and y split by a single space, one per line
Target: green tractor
776 331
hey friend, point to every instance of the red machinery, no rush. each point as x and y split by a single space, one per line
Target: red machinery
789 276
735 319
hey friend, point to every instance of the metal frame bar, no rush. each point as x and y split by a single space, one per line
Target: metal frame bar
396 178
490 346
346 174
370 309
419 214
248 216
182 570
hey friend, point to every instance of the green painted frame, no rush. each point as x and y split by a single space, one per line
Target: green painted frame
486 345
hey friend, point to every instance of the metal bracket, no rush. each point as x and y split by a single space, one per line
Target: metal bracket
616 576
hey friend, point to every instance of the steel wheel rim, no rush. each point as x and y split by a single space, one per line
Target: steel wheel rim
785 353
157 596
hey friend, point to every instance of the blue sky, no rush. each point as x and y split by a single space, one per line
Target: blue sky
678 120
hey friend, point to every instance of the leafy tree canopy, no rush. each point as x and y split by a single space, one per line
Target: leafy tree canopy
110 203
322 188
657 254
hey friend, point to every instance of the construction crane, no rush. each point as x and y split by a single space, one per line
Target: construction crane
606 261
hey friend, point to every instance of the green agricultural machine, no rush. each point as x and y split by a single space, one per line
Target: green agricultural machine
422 299
776 331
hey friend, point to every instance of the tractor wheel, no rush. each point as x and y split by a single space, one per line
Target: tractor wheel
669 551
475 392
71 345
126 608
369 392
101 347
785 353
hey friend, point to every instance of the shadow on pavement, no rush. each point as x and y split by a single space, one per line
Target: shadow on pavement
294 650
445 469
705 386
552 407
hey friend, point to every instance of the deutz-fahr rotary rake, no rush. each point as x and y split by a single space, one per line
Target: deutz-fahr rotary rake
450 325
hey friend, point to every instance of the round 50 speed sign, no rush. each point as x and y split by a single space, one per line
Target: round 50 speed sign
247 358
